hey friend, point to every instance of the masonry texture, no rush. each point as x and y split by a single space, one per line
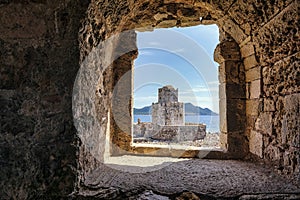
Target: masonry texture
168 122
49 150
168 111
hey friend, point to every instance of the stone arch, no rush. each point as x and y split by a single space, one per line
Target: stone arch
245 31
127 16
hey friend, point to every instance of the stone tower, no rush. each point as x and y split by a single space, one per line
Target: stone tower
168 111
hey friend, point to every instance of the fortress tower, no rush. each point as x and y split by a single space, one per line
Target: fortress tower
168 111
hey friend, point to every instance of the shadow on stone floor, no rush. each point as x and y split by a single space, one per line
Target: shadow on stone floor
207 179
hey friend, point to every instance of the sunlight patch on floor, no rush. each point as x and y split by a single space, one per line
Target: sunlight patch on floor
140 164
141 161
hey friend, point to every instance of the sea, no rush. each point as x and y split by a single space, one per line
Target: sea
212 121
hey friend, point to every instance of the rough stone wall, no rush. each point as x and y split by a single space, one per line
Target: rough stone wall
273 79
167 94
39 56
144 129
168 111
182 133
170 133
171 113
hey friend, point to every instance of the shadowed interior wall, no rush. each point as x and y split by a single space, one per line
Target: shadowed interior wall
39 62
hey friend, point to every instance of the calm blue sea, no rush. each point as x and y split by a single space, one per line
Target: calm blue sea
212 122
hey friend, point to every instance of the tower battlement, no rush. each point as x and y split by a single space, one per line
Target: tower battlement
168 111
167 94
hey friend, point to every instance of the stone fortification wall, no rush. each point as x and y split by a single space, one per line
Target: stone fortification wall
39 60
170 113
144 129
167 94
273 87
170 133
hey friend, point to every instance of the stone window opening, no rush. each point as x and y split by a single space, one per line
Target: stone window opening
232 89
232 108
178 132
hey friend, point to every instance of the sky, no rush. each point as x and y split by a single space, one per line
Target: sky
181 57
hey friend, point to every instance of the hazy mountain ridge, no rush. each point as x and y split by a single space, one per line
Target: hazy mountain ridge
190 109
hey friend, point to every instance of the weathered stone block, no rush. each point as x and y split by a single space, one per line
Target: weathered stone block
247 50
189 23
256 143
250 123
236 116
272 152
252 107
233 29
168 111
235 91
255 89
222 91
217 55
253 74
180 133
223 118
227 50
250 62
160 16
231 72
264 123
167 24
222 73
269 105
224 140
291 120
188 13
237 144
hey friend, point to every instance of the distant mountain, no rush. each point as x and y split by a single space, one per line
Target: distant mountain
142 111
190 109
